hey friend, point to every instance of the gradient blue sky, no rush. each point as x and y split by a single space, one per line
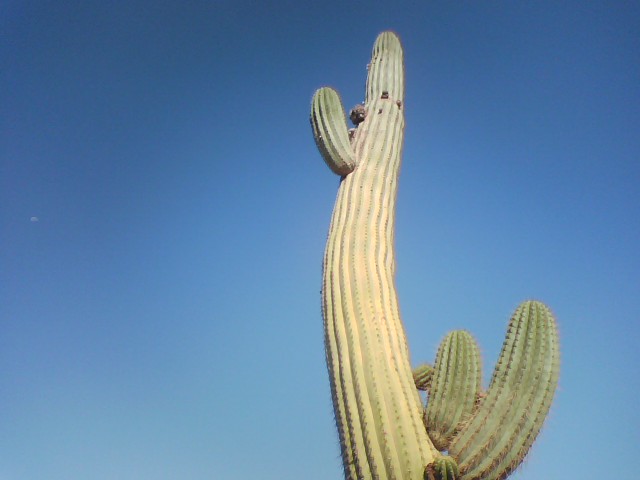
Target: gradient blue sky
163 212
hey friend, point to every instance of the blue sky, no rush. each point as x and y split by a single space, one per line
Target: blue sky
163 212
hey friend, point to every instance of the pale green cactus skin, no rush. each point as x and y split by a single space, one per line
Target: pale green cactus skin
443 468
377 407
381 422
422 376
330 131
455 387
494 441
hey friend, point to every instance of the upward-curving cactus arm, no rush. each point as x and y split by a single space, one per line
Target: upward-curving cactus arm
455 387
330 131
495 440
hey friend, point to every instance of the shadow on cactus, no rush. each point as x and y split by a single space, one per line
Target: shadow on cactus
385 432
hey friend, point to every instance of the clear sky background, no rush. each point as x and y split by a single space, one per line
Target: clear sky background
163 213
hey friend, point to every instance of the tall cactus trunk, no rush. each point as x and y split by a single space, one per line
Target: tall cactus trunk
378 410
375 393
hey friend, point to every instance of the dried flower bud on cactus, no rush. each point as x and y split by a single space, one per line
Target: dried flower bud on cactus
358 114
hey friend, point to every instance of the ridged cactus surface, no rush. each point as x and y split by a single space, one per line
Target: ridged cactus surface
330 131
385 433
377 407
497 437
455 387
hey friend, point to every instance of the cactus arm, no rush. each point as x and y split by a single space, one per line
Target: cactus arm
330 131
454 387
422 376
377 407
498 436
443 468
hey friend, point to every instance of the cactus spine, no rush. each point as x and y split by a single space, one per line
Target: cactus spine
380 419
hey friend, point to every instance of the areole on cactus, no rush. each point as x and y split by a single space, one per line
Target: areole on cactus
385 432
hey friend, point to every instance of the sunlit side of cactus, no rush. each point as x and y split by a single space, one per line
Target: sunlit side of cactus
376 404
385 433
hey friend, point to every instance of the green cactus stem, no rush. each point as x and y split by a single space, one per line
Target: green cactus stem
443 468
376 404
422 376
375 395
499 434
455 387
330 131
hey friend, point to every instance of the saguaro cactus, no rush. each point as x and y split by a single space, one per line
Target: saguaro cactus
384 429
